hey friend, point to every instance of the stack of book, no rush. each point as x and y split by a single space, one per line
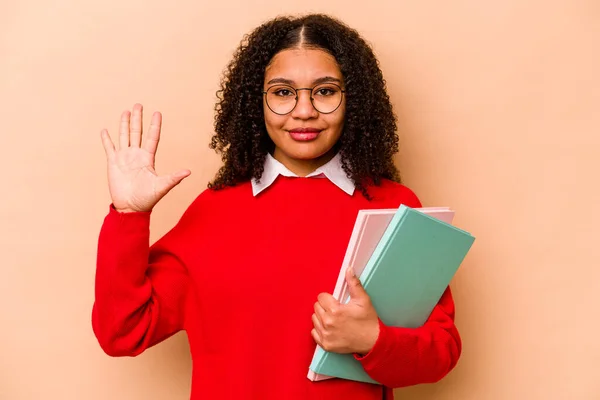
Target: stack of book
405 259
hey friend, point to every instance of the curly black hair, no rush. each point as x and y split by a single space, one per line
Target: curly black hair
368 140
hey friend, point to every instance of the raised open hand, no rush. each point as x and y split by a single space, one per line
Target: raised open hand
133 182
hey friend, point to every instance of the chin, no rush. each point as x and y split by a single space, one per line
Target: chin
306 154
306 150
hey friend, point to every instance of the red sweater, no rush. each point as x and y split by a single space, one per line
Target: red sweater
240 275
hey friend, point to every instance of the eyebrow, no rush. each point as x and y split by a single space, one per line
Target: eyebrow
317 81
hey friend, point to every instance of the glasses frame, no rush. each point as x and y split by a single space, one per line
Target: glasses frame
343 91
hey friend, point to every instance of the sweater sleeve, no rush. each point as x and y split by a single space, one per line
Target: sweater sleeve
140 290
405 356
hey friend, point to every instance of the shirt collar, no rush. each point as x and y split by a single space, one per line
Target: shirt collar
332 170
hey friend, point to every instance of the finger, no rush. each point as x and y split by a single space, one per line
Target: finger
167 182
316 337
355 287
328 302
320 311
124 130
150 142
317 323
109 147
135 136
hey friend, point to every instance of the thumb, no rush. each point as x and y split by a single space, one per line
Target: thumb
355 287
168 182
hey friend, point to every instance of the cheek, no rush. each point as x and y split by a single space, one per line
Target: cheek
268 117
337 122
339 116
273 122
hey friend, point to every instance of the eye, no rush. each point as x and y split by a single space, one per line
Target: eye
283 92
326 91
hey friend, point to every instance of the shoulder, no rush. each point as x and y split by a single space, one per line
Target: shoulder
209 207
395 193
213 199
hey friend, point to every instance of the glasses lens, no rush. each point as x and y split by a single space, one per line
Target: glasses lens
281 99
327 98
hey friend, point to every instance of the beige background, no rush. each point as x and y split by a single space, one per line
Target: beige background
499 105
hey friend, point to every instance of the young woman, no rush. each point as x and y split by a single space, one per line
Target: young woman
307 134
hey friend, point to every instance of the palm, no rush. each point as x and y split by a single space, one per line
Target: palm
132 179
133 182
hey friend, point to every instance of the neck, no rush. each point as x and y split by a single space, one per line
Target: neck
303 167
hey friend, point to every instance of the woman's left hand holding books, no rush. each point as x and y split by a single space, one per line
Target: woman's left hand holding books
346 328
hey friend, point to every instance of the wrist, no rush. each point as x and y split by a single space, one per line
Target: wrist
370 340
125 210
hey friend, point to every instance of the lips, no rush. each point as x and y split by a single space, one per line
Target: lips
305 130
304 134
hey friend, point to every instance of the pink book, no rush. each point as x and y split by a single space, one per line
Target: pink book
368 230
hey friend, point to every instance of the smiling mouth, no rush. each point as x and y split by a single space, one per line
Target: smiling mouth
305 130
304 134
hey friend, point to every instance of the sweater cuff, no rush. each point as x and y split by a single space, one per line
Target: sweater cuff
135 215
130 224
383 347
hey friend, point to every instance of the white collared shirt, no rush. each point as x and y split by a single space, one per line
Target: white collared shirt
332 170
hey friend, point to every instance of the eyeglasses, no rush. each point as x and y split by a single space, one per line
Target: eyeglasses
325 98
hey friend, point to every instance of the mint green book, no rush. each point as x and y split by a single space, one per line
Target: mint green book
405 277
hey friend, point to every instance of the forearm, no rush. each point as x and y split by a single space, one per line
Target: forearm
133 307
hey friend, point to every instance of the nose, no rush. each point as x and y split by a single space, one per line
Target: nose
304 108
